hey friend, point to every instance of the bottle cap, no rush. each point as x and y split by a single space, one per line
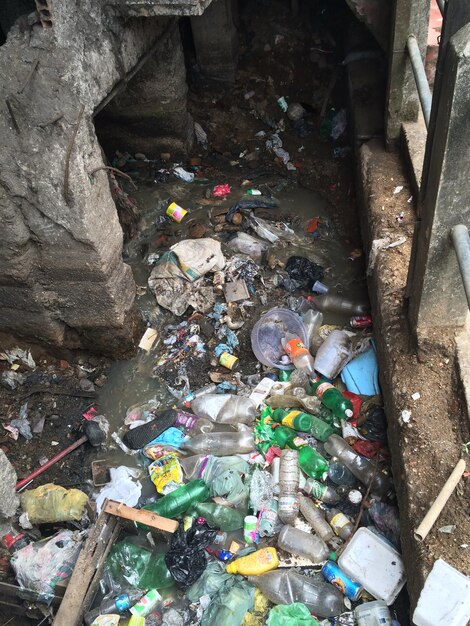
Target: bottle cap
332 556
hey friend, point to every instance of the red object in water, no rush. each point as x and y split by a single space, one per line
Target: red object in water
367 448
361 321
312 225
220 191
356 402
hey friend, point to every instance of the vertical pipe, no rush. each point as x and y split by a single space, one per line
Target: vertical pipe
461 241
420 77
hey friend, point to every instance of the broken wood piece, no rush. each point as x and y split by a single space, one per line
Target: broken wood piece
140 515
439 503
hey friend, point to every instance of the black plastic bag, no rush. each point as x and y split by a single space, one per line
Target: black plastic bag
304 271
375 426
248 204
186 559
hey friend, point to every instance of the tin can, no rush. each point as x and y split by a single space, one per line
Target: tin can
250 529
361 321
175 212
335 575
230 361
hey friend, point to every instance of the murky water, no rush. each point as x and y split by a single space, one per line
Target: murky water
132 382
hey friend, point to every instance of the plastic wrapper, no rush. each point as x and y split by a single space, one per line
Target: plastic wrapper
261 490
40 566
122 487
52 503
229 605
304 271
210 581
223 476
295 614
166 473
129 564
106 620
186 559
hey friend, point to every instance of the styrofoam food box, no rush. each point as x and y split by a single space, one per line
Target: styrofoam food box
444 599
375 564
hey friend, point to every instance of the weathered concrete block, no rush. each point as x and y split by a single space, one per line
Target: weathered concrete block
9 500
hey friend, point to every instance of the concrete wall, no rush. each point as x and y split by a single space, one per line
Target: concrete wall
62 278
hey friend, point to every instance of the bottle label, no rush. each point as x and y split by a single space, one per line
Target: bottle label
122 603
318 490
288 420
295 348
298 442
175 212
186 420
289 503
320 390
339 520
228 360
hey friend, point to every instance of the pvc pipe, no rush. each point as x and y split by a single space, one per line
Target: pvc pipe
420 77
24 481
439 503
461 241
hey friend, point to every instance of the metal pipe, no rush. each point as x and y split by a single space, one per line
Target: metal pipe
420 77
461 241
441 4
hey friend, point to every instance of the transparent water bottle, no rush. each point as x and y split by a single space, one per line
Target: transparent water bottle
361 467
303 544
312 321
373 614
316 518
339 523
338 304
340 475
288 505
225 408
221 444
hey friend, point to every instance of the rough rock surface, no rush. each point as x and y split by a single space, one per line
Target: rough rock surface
9 500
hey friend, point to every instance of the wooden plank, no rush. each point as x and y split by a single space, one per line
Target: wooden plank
140 515
90 557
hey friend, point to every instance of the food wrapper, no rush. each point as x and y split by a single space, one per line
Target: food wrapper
106 620
166 473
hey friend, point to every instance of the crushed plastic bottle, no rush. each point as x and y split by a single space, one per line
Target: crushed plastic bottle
316 518
225 408
220 444
288 509
303 544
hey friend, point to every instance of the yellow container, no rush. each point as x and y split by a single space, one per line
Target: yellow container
255 563
175 212
228 360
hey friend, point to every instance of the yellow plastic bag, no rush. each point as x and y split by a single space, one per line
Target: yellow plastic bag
52 503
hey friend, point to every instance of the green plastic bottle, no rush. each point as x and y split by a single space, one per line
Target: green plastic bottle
303 422
128 561
310 461
341 407
219 516
177 502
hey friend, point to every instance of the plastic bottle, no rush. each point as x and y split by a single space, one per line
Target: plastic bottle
192 424
299 354
338 304
113 605
15 541
225 408
316 518
333 354
225 539
361 467
339 523
312 321
332 398
180 500
374 613
285 586
220 444
255 563
198 393
310 461
219 516
320 491
304 422
191 465
288 508
340 475
303 544
269 519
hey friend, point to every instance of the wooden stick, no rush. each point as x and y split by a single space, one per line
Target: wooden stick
67 156
116 171
29 77
140 515
439 503
58 391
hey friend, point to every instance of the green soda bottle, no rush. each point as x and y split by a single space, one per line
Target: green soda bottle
218 516
310 461
304 422
147 569
177 502
341 407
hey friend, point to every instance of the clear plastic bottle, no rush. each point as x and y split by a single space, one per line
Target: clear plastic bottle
312 321
225 408
269 519
192 424
191 465
299 354
198 393
288 506
303 544
374 613
340 475
339 523
316 518
113 605
333 354
320 491
361 467
337 304
221 444
218 516
284 586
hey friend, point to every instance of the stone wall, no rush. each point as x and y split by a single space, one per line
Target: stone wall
62 278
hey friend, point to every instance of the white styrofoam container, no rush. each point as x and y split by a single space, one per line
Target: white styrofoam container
375 564
444 599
